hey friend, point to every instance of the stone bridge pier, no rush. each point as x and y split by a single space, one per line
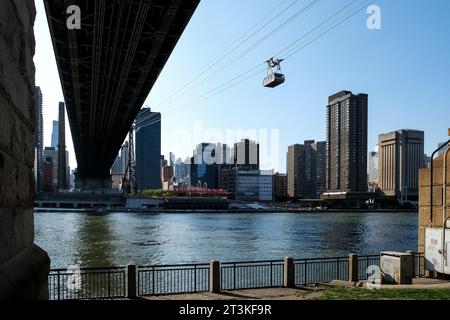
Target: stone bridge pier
23 265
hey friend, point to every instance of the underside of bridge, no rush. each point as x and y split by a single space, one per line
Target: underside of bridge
108 67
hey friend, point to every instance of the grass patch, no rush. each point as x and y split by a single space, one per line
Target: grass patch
345 293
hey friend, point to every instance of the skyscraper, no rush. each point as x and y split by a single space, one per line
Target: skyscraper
124 156
279 186
68 181
347 117
180 171
118 167
39 136
55 134
320 148
167 174
171 159
164 162
183 172
246 155
62 158
306 169
48 185
50 156
148 149
223 154
227 180
203 166
373 167
293 162
401 155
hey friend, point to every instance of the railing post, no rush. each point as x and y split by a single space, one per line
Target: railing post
153 280
195 278
234 276
421 264
109 283
410 252
214 276
412 273
353 267
305 272
59 290
338 276
131 281
289 273
271 273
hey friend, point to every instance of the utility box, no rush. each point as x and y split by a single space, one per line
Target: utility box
437 246
397 267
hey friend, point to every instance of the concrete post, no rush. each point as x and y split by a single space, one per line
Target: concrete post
214 276
131 281
353 267
410 252
411 274
289 274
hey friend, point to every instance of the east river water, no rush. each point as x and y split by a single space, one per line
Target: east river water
115 239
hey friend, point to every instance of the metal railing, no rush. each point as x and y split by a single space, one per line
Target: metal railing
104 283
247 275
171 279
320 270
364 262
89 283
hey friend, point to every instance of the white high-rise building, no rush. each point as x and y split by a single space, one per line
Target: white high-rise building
55 130
372 163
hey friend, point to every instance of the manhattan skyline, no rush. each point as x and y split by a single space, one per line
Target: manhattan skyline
403 77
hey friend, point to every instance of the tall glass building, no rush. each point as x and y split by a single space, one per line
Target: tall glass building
203 166
148 149
55 134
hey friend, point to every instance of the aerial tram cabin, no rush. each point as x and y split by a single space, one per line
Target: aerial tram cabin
274 77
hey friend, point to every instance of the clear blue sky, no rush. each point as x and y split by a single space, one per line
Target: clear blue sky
404 67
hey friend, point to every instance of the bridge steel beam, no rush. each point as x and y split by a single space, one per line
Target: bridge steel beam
107 69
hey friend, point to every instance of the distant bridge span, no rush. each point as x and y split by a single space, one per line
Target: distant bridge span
107 69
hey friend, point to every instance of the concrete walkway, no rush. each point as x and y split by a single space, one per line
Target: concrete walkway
302 293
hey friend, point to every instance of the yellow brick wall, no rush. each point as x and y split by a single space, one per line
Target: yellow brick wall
425 220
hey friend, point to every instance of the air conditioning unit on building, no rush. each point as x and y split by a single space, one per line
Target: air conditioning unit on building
437 246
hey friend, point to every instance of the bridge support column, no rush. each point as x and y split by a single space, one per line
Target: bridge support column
24 267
